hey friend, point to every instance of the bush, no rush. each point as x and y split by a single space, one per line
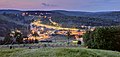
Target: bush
103 38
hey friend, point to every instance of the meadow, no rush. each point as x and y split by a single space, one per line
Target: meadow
57 52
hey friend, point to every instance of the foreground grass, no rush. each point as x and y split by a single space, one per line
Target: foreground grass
57 52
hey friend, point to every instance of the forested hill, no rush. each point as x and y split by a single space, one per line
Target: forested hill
114 15
9 22
10 19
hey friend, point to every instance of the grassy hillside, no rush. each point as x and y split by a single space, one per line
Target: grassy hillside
57 52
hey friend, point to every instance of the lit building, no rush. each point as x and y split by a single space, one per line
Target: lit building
38 13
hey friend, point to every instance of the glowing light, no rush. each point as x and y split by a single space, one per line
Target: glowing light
35 13
45 16
23 14
12 31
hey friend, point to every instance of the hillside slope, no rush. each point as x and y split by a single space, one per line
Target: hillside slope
113 15
7 23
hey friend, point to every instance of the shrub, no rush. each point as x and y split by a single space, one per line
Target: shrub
103 38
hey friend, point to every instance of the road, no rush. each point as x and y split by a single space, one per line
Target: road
38 23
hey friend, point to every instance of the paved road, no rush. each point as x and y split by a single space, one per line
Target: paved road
30 46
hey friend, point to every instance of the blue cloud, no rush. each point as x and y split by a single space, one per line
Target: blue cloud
48 5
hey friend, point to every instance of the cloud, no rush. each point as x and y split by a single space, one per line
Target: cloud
48 5
104 1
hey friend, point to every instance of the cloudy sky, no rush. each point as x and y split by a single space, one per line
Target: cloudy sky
77 5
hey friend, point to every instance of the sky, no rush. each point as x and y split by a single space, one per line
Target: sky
71 5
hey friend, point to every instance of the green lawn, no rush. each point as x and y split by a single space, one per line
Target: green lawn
57 52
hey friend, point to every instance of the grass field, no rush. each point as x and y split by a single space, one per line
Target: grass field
57 52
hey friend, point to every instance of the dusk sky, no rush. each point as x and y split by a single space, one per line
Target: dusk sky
76 5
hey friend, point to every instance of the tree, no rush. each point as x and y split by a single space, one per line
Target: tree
35 35
18 37
103 38
36 41
13 37
8 39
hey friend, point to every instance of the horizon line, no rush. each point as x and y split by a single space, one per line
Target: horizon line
56 9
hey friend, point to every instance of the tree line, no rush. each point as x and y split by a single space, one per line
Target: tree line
107 38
